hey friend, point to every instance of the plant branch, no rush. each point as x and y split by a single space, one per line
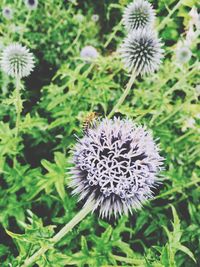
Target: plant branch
68 227
123 96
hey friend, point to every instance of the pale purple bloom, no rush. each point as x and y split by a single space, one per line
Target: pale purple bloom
116 166
31 4
95 17
89 53
7 13
183 54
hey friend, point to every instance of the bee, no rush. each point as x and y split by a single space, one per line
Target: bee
89 121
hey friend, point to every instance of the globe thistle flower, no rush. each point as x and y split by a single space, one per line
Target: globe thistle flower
7 13
17 61
138 14
183 54
116 166
141 52
89 53
31 4
95 17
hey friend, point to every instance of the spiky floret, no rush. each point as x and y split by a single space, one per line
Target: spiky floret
89 53
7 13
17 61
116 166
138 15
31 4
141 52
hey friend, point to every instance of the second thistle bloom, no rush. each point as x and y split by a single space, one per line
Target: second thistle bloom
17 61
89 53
7 13
116 166
141 52
31 4
183 54
138 15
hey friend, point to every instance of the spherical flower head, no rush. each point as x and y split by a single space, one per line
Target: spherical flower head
7 13
31 4
17 61
116 166
183 54
89 53
138 15
95 17
141 52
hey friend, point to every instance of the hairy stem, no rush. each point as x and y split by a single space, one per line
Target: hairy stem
68 227
123 96
18 105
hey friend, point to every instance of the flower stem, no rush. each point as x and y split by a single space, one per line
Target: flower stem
168 17
18 105
113 34
68 227
124 95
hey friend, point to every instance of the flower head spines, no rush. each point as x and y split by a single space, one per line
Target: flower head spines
17 61
116 166
138 15
141 52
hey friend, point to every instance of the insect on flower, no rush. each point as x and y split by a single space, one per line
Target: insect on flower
89 121
116 166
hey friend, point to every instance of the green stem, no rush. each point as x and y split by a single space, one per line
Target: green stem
68 227
25 25
129 260
177 189
113 34
123 96
18 105
167 19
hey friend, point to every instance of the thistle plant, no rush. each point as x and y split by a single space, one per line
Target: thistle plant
17 61
141 50
115 167
138 15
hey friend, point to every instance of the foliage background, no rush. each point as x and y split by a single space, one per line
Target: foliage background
34 198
